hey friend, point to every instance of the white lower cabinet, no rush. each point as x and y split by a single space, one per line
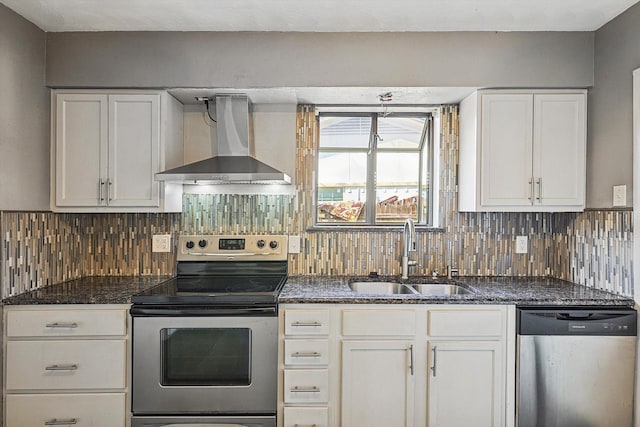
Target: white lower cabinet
306 367
66 365
465 383
306 386
306 417
78 410
397 365
378 387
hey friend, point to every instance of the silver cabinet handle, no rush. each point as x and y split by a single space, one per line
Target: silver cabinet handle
62 325
306 354
411 359
433 366
315 324
310 389
305 425
71 367
109 199
531 190
61 422
539 184
100 196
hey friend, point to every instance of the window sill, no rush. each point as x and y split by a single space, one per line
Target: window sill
371 228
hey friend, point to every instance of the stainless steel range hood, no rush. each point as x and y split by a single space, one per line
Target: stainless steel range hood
234 164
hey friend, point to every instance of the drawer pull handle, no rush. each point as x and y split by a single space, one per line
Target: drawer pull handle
306 354
62 325
305 425
61 422
314 324
312 389
62 368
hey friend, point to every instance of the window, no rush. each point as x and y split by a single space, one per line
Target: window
374 169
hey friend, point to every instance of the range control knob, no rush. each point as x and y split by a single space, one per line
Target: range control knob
202 243
261 243
190 244
273 244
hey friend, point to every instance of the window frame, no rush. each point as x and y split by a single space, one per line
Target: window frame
426 148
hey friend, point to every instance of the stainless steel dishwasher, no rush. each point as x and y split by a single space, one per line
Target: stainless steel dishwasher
576 367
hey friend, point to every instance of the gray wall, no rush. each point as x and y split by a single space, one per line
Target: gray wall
24 115
245 59
609 156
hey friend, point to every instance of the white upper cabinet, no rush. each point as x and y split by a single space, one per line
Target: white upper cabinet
108 146
559 149
523 151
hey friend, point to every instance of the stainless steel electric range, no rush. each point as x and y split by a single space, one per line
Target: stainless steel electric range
205 343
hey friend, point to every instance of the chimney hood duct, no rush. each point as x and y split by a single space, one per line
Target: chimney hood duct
233 164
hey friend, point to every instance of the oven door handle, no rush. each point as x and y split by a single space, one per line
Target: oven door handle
201 312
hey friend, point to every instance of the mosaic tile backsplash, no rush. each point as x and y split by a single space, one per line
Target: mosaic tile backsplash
42 248
592 248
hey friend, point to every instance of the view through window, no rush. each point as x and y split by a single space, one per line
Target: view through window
374 169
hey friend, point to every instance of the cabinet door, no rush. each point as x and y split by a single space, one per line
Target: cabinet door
465 384
377 383
507 137
134 147
559 149
81 149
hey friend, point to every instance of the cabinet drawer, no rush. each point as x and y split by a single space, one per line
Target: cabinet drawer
306 322
306 417
60 365
379 322
471 323
65 323
87 410
306 352
306 386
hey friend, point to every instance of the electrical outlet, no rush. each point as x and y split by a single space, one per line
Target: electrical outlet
619 195
522 244
294 244
161 243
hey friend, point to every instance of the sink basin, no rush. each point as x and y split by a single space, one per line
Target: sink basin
387 288
436 289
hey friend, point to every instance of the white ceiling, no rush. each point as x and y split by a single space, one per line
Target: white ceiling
319 15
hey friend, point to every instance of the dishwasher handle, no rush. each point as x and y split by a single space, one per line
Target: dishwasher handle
585 316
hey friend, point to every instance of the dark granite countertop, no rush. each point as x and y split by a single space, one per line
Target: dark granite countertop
522 291
88 290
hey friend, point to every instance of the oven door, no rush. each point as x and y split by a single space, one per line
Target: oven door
213 364
203 421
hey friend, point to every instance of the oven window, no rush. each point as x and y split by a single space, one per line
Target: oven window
206 356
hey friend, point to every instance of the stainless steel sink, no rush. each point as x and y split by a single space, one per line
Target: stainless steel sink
436 289
386 288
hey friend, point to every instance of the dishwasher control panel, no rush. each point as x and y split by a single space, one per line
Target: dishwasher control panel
568 321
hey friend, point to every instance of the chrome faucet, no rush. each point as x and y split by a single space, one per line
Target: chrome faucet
409 245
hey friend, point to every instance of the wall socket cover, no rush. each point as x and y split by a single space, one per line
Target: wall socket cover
522 244
294 244
161 243
619 195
